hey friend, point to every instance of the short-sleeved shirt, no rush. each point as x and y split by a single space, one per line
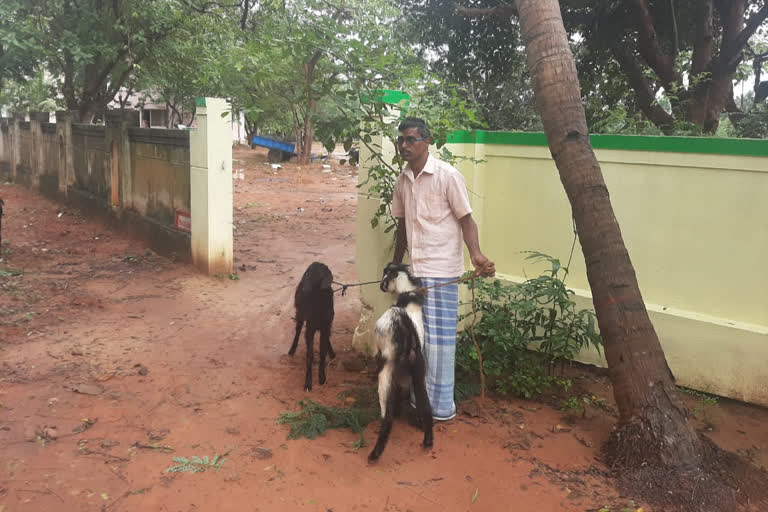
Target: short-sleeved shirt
432 205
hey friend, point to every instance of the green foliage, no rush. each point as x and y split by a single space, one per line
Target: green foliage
631 507
38 94
751 123
90 47
361 397
514 319
314 419
580 403
440 104
704 403
196 61
196 464
484 54
20 49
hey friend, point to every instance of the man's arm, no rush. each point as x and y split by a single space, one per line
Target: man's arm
401 241
469 230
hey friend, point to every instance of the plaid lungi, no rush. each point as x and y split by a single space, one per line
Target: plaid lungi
440 319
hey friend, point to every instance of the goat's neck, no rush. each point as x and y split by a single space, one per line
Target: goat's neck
403 284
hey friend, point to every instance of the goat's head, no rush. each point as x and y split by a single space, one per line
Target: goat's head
317 277
397 278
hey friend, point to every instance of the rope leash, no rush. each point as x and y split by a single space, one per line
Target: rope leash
471 276
422 289
344 287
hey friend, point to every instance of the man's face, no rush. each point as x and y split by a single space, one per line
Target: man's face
412 151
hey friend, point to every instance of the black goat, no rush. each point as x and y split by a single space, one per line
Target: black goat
314 305
2 203
400 343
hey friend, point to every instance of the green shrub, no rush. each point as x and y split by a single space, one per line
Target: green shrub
523 330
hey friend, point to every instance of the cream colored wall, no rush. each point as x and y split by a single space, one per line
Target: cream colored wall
695 225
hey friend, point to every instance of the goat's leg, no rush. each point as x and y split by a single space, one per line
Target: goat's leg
331 353
325 346
295 343
423 409
388 393
309 335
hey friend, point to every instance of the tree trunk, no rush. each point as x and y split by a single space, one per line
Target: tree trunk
308 132
86 111
653 424
710 100
307 136
250 130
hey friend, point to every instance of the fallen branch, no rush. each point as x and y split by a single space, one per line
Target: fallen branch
154 446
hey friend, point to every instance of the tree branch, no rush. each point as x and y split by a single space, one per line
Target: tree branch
732 21
733 57
735 114
753 23
91 86
204 8
500 11
643 92
702 46
244 17
651 51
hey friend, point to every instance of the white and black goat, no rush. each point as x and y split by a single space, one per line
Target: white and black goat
314 305
400 344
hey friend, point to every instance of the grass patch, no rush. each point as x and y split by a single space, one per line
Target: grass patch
315 419
196 464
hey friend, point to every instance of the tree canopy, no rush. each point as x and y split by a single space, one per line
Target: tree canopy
673 62
646 66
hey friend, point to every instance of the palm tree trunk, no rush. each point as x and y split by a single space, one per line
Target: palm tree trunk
653 425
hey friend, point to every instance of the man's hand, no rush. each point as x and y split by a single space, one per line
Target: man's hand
483 266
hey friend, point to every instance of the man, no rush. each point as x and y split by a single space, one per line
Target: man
431 205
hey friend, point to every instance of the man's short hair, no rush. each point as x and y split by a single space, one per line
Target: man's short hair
415 122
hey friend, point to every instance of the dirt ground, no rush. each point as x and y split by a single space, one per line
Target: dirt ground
114 360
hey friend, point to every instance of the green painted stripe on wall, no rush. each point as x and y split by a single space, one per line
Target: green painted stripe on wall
707 145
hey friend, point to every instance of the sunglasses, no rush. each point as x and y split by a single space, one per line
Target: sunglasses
408 140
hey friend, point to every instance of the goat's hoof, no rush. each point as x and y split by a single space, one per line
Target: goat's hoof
308 388
427 444
291 352
321 380
332 354
373 457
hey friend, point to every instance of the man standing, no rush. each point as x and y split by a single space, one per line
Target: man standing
431 205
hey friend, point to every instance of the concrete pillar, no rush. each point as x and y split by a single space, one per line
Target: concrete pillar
117 144
36 119
373 248
210 158
66 159
13 139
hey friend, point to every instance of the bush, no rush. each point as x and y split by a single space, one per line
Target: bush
524 330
